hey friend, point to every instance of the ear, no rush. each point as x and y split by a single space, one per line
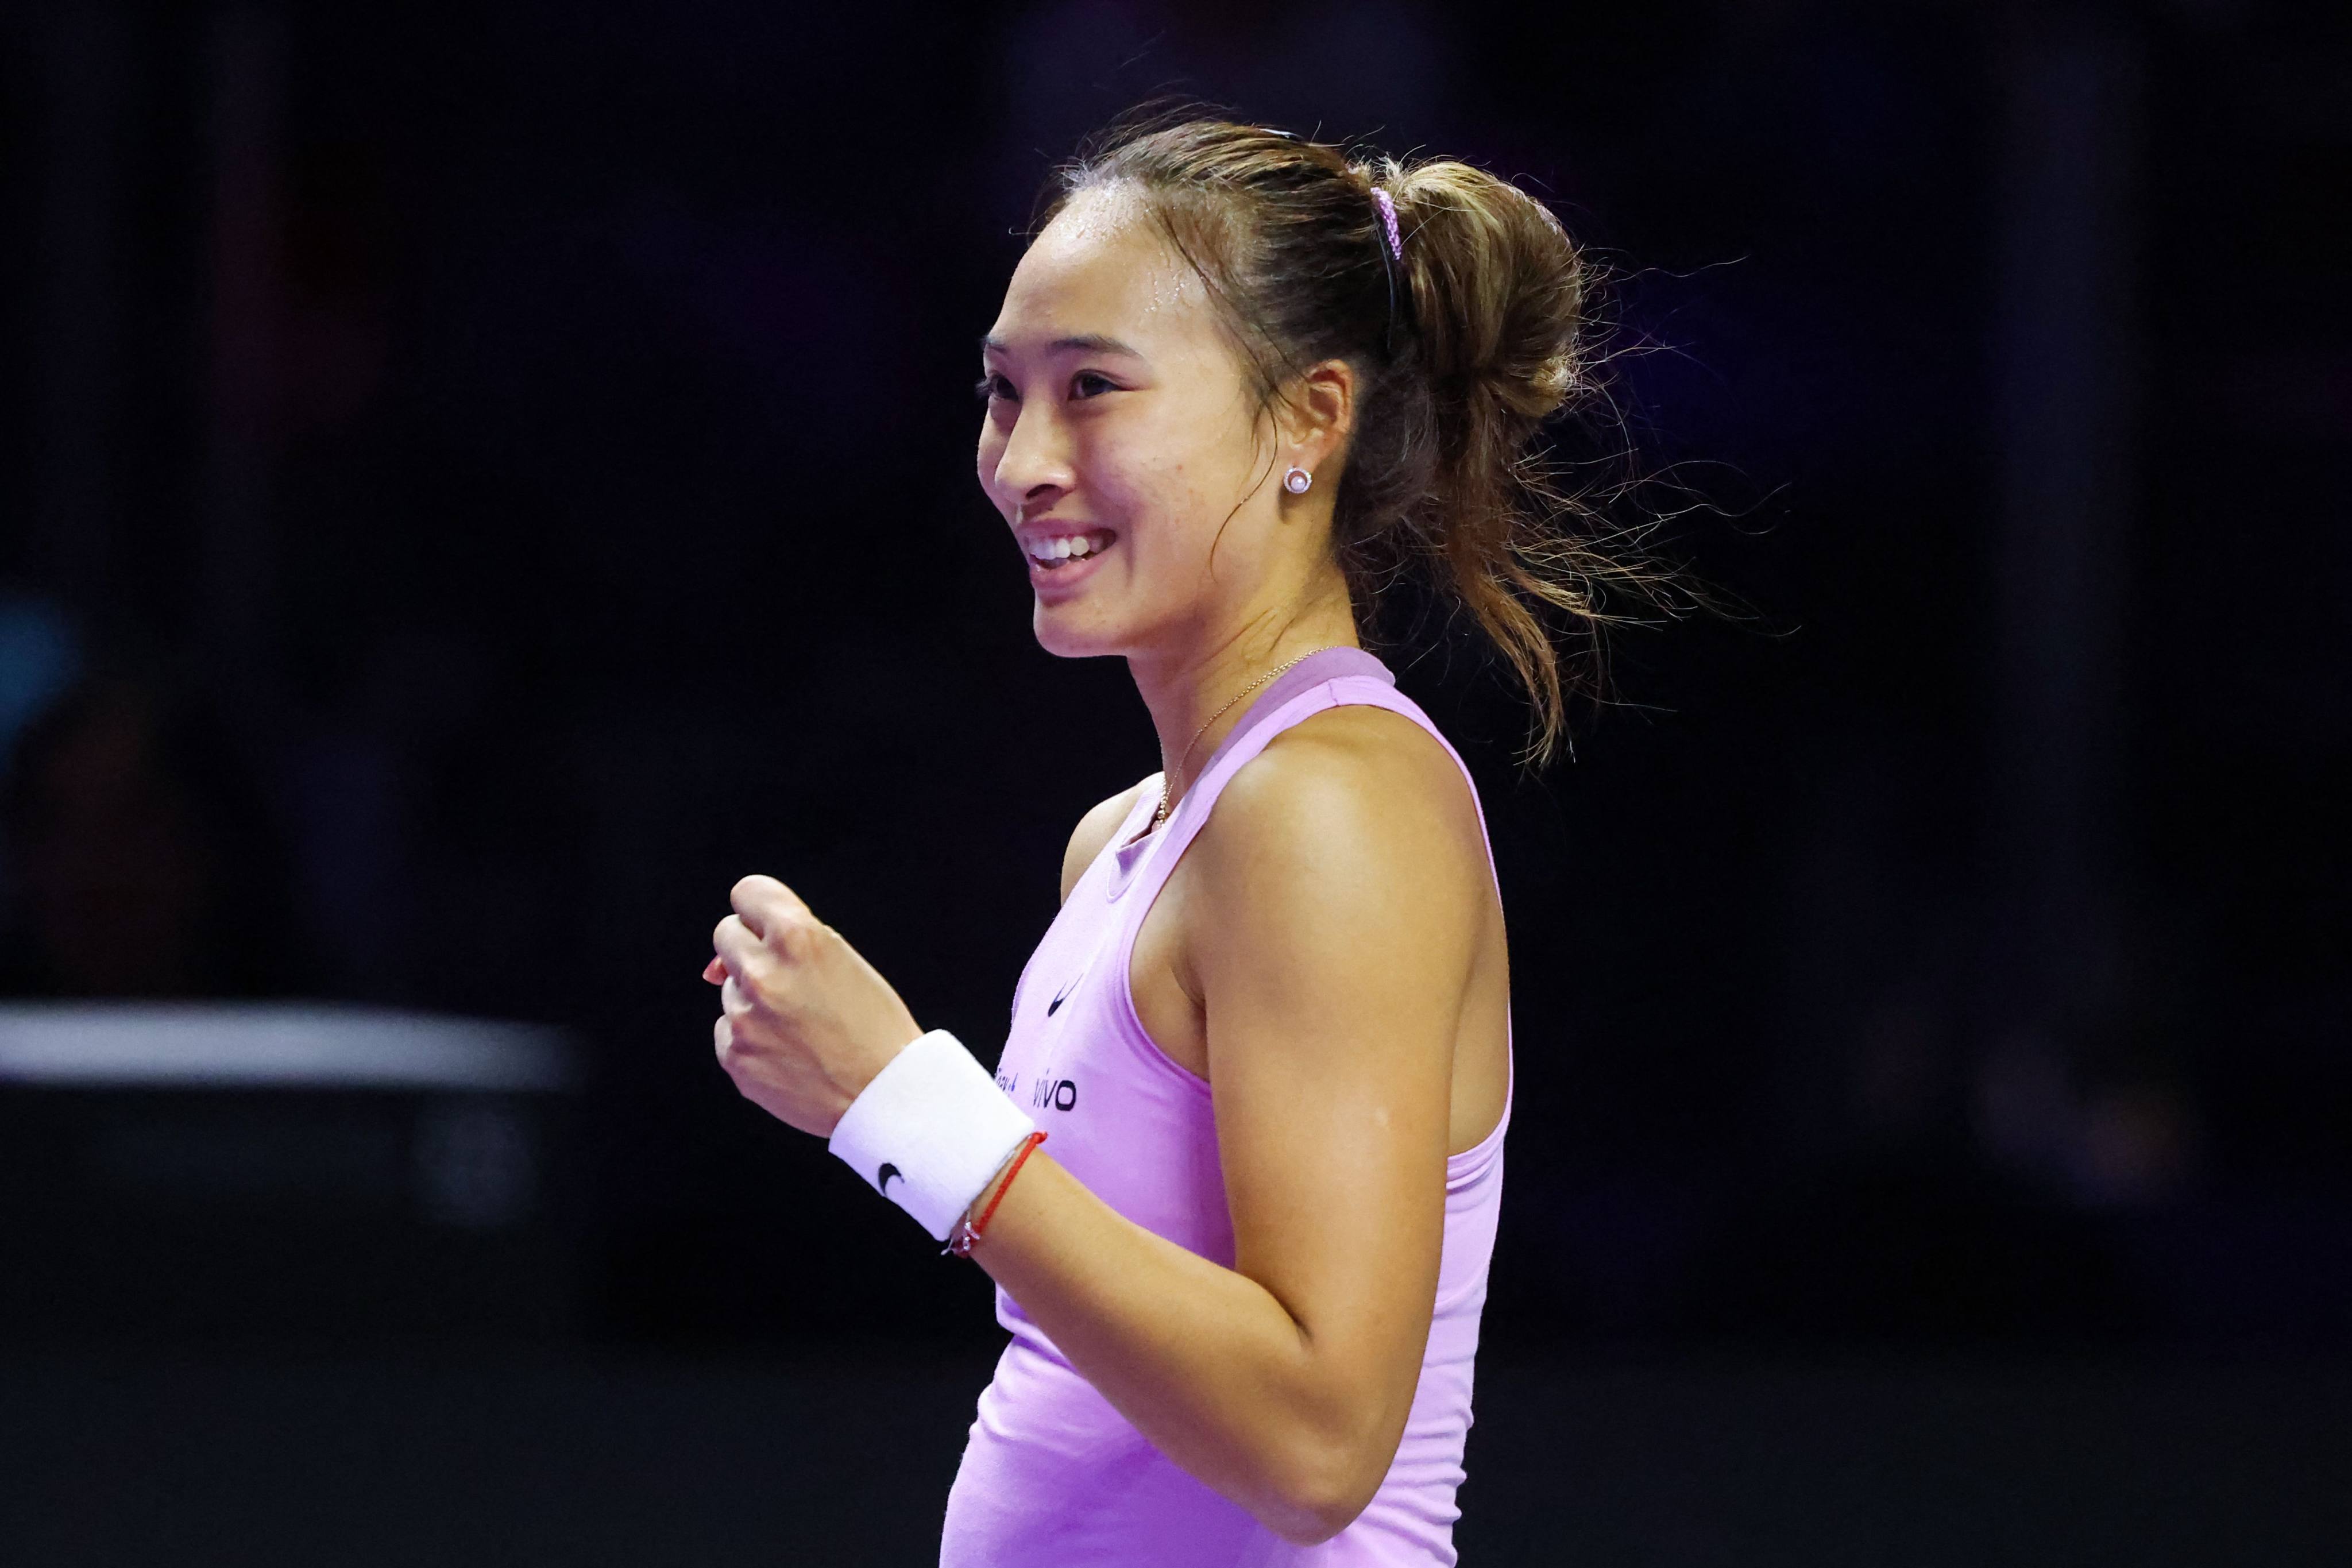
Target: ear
1318 415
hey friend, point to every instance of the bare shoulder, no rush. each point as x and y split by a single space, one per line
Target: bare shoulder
1094 831
1351 795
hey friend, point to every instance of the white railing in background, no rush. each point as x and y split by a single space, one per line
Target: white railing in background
202 1044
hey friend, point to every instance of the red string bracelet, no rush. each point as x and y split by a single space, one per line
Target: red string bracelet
967 1229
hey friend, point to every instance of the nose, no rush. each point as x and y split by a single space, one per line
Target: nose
1034 466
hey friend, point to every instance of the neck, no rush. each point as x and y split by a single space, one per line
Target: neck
1186 689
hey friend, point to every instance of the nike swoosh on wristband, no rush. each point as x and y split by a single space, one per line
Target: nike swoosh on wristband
882 1178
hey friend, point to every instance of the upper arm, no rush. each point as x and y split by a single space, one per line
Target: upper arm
1342 882
1094 831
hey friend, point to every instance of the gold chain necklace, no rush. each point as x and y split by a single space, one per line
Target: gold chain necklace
1161 813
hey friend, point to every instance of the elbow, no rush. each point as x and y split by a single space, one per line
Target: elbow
1327 1484
1321 1522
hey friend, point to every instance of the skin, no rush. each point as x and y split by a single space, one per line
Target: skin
1328 953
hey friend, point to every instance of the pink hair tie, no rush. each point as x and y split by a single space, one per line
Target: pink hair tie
1387 219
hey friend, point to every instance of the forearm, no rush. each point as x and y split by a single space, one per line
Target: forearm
1203 1360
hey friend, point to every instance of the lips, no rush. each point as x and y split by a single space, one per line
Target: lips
1061 572
1051 544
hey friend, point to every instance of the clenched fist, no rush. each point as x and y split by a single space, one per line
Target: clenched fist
804 1022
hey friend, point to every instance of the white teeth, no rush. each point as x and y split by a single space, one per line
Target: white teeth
1066 547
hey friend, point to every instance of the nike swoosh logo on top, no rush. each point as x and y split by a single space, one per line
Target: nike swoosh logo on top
882 1178
1059 1000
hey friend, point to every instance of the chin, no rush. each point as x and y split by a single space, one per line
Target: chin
1067 636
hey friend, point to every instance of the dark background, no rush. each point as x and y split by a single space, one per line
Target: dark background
506 468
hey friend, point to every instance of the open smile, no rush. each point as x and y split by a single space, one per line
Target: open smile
1058 551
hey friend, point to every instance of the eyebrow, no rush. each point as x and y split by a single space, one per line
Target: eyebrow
1085 343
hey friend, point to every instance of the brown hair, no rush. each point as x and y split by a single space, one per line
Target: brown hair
1463 344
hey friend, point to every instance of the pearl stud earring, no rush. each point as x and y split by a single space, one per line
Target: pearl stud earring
1296 480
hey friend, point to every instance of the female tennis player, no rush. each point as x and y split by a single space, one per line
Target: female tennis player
1239 384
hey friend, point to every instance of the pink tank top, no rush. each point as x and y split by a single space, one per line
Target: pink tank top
1051 1473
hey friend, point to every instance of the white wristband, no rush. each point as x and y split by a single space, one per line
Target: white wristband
930 1131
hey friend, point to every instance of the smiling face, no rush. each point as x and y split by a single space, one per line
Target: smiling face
1123 440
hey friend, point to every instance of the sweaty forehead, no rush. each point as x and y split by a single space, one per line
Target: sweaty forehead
1102 266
